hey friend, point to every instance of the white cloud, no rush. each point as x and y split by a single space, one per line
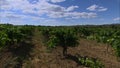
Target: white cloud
117 19
74 15
81 15
102 9
3 2
14 16
43 7
16 5
56 1
96 8
71 8
92 8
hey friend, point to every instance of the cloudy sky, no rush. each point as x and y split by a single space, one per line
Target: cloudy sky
59 12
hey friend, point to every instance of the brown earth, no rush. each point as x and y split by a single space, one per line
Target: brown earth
37 55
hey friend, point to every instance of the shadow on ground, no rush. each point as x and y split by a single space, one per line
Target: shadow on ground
22 53
76 58
73 58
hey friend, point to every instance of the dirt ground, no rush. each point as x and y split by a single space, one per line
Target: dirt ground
39 57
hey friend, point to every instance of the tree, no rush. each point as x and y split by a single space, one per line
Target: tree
63 37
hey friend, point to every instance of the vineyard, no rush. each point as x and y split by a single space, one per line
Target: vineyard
20 45
11 35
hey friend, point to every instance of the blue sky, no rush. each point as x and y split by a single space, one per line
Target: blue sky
59 12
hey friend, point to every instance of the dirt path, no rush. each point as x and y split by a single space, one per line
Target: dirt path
41 58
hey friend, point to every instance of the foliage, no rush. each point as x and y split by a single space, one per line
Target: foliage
3 39
62 37
11 35
109 36
90 62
